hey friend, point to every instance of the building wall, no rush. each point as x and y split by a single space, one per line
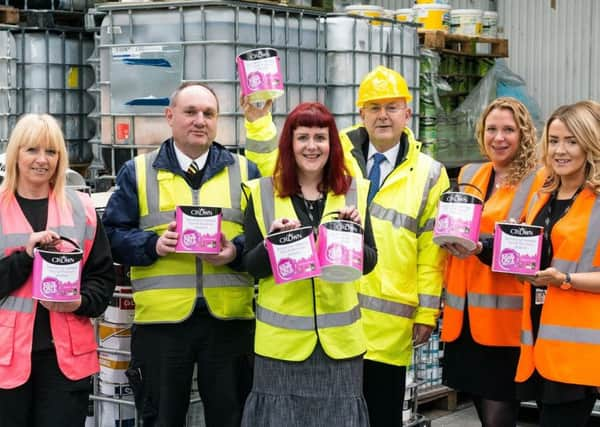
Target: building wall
556 51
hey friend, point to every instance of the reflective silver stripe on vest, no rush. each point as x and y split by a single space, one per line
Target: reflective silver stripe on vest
307 323
469 172
156 217
12 303
384 306
178 281
267 195
495 301
455 302
592 240
227 280
429 301
433 177
75 232
397 219
526 337
569 334
429 224
520 197
190 281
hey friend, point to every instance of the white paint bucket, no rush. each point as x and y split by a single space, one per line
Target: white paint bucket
467 22
489 24
434 17
260 74
404 15
368 10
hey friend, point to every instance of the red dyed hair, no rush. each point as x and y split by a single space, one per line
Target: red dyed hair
335 175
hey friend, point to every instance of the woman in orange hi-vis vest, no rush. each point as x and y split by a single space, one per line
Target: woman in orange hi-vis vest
482 310
47 348
560 337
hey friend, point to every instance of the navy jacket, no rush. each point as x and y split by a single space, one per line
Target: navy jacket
133 246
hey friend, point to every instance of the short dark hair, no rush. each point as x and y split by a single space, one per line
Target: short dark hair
189 83
335 175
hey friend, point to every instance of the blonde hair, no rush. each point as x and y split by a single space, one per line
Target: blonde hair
583 121
525 159
32 131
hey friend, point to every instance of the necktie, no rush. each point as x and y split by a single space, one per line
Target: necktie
375 175
192 170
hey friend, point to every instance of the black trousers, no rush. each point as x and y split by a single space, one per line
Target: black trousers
384 387
567 414
163 359
47 399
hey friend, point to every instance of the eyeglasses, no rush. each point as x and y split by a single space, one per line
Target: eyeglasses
389 108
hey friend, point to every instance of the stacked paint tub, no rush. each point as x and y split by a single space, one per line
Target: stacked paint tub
45 71
146 50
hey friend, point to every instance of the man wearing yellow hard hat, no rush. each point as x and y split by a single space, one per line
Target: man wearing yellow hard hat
400 298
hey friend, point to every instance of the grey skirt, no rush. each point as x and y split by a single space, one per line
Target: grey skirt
318 392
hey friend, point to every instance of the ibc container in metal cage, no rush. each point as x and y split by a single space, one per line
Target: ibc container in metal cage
356 45
45 71
146 50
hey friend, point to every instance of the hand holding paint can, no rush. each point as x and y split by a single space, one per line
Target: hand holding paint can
293 255
458 219
340 249
260 74
57 272
199 229
517 248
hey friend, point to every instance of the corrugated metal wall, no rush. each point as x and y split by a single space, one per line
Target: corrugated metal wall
557 51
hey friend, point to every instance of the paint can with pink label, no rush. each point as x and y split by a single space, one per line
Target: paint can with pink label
517 248
293 255
260 74
199 229
458 219
340 249
57 271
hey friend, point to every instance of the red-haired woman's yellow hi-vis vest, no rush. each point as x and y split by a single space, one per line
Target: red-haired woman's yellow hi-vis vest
73 335
494 299
567 348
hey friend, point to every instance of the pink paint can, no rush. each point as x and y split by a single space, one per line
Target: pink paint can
57 272
340 249
458 219
517 248
293 255
199 229
260 74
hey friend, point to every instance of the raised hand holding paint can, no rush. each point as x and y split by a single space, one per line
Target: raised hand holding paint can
260 74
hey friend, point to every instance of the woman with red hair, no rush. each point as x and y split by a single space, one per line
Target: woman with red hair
309 340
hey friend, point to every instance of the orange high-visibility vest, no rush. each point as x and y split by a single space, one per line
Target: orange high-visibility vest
73 336
567 348
494 299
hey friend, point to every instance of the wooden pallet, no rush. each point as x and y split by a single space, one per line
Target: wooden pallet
462 45
9 15
52 18
443 396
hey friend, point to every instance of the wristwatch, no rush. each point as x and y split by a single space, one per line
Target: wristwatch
567 282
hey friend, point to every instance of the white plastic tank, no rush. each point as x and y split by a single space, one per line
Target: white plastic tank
355 47
8 86
145 51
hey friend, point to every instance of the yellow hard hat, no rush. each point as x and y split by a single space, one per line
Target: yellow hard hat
382 83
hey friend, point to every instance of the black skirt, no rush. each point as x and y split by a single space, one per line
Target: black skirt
480 370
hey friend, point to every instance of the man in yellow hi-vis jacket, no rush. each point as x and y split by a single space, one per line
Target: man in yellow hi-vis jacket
400 298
